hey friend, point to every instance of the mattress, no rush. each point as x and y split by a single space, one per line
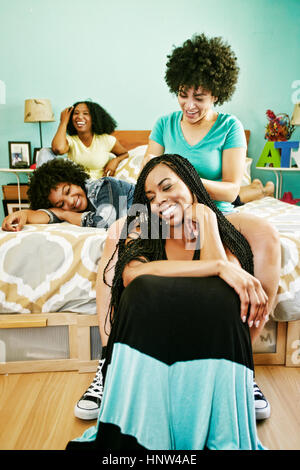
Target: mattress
50 268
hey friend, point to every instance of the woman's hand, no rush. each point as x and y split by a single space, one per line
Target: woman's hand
15 222
65 115
249 290
194 219
201 220
200 223
111 166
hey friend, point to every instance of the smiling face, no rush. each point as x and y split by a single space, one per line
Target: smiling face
81 118
168 194
195 103
68 197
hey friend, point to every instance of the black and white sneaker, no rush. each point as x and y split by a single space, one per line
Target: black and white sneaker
262 406
89 404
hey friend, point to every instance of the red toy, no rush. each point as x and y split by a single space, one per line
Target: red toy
288 197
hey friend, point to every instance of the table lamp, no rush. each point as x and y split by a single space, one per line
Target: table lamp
296 122
38 110
296 115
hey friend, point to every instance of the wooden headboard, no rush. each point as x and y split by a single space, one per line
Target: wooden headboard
247 134
132 139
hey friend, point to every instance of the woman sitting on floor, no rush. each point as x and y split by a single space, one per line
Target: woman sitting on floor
203 72
182 294
61 190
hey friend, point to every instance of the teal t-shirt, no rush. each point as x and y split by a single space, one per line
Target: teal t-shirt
206 156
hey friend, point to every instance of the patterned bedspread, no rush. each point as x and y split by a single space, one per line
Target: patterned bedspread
52 268
49 268
286 218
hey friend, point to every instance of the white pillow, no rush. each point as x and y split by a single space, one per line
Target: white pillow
247 173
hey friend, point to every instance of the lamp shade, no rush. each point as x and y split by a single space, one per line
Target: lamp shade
38 110
296 115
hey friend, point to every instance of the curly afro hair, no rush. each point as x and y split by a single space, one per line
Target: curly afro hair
48 176
102 122
200 61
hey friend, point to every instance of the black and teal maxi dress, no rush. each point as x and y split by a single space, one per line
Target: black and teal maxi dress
179 370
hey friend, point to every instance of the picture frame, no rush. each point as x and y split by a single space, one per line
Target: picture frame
35 154
19 154
12 206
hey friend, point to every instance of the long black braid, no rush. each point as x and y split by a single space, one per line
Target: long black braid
149 244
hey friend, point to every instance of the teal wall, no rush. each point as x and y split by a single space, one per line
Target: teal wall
114 52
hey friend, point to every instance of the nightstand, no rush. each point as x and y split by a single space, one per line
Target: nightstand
17 172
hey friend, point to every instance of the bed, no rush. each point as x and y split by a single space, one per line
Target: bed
48 317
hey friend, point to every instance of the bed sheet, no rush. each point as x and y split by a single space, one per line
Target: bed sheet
286 219
50 268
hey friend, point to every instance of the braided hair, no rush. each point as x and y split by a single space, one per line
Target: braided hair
147 248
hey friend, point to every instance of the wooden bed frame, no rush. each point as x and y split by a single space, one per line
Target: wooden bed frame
132 139
79 325
79 328
78 335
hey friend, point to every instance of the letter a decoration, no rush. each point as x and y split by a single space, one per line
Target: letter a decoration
270 156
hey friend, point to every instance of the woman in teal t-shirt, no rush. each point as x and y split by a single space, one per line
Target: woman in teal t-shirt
203 72
226 133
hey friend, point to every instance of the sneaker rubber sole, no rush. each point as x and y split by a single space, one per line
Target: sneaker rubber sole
84 414
263 413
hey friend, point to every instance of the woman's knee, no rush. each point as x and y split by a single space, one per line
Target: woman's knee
267 241
140 288
260 234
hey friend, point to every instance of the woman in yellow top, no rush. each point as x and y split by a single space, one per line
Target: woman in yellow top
84 133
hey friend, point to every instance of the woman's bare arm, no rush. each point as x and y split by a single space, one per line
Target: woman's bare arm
232 174
153 150
121 153
60 145
213 262
15 222
103 291
176 268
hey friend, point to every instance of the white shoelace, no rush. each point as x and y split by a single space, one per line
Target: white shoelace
258 395
96 387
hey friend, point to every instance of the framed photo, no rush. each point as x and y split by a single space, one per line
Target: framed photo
12 206
35 154
19 154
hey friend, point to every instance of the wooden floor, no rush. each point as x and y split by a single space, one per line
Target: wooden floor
36 410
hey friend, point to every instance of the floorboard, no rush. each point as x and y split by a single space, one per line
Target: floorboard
36 410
